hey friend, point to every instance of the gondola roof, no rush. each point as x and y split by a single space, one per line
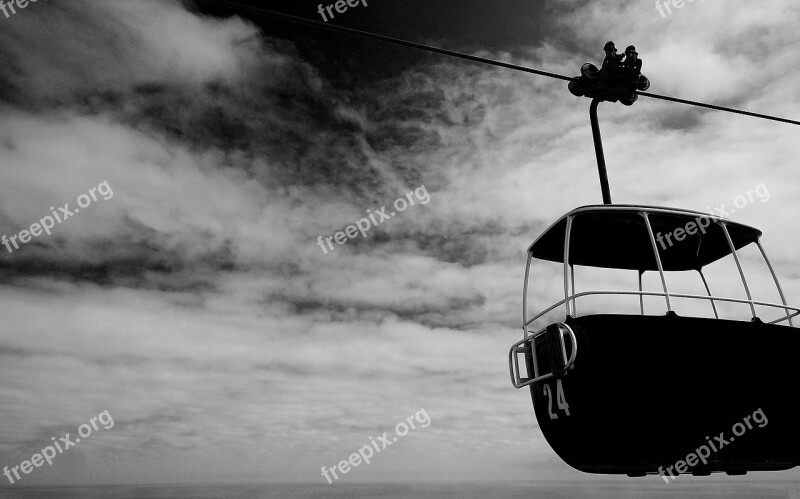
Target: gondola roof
615 236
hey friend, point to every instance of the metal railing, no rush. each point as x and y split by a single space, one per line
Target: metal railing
644 212
528 344
787 308
569 301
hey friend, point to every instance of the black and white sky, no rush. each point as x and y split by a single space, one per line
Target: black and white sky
195 304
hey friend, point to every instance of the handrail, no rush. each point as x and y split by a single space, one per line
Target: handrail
739 266
513 359
567 236
574 349
708 292
786 317
525 295
775 278
658 258
656 293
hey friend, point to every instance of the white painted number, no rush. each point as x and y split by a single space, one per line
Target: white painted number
560 399
549 402
562 402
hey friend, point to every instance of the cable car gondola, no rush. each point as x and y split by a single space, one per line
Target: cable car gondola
623 393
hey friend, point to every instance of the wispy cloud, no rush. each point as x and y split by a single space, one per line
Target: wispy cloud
196 306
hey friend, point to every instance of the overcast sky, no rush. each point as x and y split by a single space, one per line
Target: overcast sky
195 304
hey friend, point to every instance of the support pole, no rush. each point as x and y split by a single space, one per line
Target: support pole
598 149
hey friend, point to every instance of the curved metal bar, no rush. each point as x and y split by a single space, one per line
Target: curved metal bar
552 307
788 316
567 235
658 258
574 352
676 295
641 298
739 266
572 276
774 277
513 359
708 290
513 363
525 297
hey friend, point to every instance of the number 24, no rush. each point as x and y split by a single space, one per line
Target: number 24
562 402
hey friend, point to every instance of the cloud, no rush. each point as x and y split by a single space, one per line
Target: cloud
57 50
197 308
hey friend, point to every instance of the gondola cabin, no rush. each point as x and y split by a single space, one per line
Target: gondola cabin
640 378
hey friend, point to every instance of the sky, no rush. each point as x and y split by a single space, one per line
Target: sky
194 297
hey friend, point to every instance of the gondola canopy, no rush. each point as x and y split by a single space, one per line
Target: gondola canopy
616 237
